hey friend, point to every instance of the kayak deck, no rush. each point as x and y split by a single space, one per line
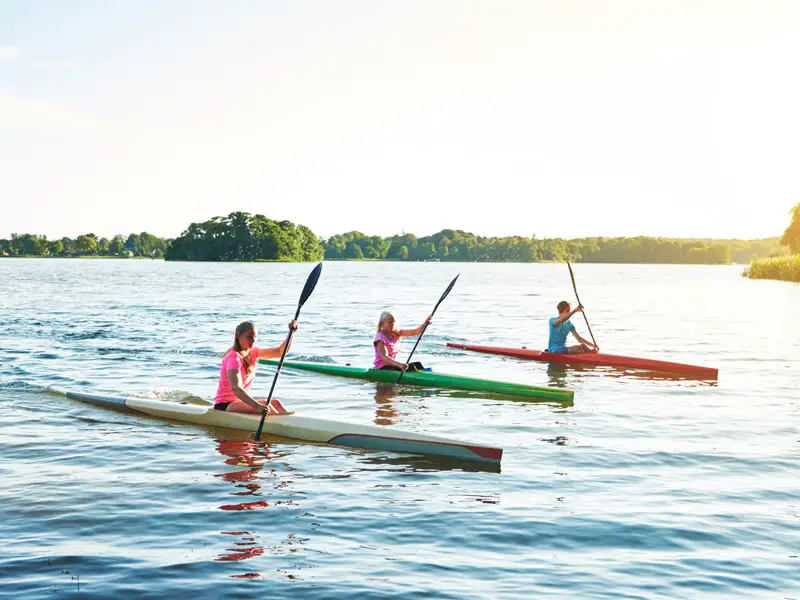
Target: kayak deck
595 359
308 429
432 379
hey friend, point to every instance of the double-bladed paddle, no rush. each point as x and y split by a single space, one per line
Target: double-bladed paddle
575 287
311 283
447 291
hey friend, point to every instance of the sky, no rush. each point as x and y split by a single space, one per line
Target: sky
554 118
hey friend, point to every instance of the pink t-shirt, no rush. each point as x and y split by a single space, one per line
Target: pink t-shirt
232 360
392 344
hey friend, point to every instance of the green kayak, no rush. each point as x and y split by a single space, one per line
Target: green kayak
430 379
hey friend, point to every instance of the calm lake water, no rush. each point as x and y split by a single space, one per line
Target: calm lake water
644 488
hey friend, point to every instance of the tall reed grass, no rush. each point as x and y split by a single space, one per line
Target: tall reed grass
784 268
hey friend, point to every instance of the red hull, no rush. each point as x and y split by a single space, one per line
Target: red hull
595 359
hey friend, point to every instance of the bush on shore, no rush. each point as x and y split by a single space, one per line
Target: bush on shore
783 268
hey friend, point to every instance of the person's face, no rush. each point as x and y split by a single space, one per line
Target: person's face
388 325
248 339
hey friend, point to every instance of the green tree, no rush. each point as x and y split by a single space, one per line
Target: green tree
56 248
87 244
334 247
426 251
28 244
353 250
310 245
69 245
117 245
791 237
719 254
408 241
132 245
239 236
374 247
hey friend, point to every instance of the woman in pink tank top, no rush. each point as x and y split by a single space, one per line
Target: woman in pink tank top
238 371
387 343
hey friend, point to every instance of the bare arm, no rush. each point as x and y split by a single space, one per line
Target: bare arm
416 330
582 340
278 352
385 357
567 317
235 379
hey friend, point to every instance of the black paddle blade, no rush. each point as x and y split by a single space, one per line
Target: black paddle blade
311 283
446 292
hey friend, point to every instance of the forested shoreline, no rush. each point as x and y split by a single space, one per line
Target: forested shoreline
133 245
461 246
241 236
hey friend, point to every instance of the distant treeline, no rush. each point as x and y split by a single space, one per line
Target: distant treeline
244 237
456 245
136 244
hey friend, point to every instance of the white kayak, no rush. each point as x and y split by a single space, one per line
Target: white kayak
303 428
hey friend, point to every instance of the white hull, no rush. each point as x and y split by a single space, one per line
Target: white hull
304 428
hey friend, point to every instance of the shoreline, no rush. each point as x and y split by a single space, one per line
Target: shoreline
88 256
382 260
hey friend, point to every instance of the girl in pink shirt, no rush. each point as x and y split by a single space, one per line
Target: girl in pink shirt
387 342
238 370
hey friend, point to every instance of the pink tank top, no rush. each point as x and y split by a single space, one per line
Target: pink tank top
392 344
232 360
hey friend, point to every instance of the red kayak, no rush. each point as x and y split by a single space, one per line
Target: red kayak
595 359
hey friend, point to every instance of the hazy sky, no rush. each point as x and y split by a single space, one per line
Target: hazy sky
547 117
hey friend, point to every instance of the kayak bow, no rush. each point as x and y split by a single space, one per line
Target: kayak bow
430 379
304 428
596 359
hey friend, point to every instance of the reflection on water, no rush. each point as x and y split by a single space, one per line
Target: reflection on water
557 375
246 547
243 453
251 455
385 412
565 375
417 463
249 482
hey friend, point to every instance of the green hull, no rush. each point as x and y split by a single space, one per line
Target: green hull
439 380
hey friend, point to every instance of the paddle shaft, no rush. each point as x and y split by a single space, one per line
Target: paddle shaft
311 283
414 348
446 292
578 298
